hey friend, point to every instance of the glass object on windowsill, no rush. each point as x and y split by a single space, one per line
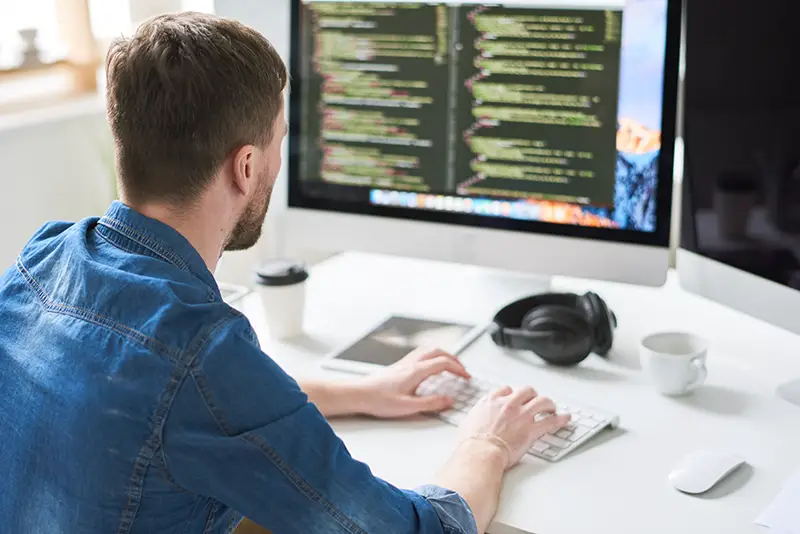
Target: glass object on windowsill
30 48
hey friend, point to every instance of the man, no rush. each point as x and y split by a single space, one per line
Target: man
134 400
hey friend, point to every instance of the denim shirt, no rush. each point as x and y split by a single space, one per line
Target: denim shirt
134 400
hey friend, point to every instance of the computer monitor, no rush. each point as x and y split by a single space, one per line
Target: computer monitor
740 238
533 135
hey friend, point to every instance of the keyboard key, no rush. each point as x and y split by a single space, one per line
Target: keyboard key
550 453
564 433
453 416
554 441
578 433
539 446
588 423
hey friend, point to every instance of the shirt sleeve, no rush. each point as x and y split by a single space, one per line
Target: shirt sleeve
241 431
453 511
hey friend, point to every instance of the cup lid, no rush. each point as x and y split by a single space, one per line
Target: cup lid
281 273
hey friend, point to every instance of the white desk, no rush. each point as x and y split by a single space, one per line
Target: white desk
618 484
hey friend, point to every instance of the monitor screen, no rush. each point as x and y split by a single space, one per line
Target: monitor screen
532 115
741 201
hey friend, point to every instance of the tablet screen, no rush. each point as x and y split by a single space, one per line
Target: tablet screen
398 336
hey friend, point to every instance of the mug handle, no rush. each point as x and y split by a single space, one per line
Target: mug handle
700 373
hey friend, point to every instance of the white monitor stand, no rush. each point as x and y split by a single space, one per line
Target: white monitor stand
790 391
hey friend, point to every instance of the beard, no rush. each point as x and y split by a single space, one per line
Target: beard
248 230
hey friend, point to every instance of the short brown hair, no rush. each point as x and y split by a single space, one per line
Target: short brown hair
183 92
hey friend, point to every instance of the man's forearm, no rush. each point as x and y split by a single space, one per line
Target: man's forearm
475 471
335 398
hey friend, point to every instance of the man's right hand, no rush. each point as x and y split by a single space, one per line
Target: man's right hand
512 420
495 435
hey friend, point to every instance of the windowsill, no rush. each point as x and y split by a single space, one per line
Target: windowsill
45 98
54 111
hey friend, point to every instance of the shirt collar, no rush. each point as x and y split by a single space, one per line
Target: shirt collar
161 240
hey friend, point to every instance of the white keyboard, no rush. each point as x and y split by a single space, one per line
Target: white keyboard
585 422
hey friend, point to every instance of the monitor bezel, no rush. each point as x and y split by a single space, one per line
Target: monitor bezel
660 237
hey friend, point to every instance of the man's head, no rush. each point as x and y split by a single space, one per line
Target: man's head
195 104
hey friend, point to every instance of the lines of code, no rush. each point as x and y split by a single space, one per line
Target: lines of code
510 102
540 92
377 89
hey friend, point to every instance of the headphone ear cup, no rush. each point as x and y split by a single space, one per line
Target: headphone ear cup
601 321
571 336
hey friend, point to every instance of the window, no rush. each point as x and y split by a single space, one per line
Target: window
33 21
110 18
53 48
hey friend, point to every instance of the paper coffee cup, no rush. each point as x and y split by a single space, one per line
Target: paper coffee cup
281 284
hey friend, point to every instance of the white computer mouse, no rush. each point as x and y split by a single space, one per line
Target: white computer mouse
700 471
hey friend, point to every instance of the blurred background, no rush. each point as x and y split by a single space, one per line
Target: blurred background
56 151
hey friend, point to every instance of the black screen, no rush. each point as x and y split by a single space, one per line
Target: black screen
741 194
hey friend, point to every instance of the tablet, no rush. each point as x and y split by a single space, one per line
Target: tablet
395 337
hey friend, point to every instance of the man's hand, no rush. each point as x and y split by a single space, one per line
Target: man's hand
391 391
495 435
512 420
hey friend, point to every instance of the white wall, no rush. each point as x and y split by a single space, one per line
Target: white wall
51 167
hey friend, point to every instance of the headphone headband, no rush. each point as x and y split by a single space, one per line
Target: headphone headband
517 309
516 338
562 328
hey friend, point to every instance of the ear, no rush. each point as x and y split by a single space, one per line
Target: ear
244 169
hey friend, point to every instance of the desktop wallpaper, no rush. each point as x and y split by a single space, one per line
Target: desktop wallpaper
644 31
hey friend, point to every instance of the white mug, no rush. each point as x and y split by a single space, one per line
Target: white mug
674 361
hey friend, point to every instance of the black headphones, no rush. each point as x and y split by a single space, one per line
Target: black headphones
561 328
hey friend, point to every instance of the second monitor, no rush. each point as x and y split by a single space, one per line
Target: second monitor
528 135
